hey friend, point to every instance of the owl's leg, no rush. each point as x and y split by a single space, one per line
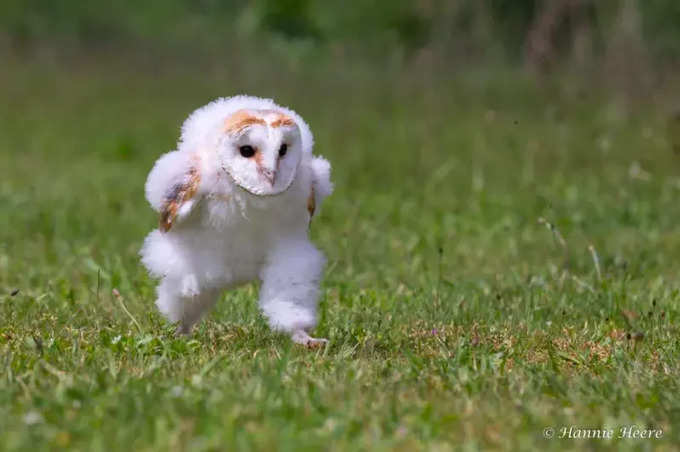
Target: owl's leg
181 300
290 289
170 301
195 308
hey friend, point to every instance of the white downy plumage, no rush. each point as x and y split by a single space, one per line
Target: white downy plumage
235 201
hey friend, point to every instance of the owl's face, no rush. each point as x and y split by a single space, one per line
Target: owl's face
260 150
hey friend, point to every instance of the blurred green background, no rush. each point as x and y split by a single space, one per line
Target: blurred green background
631 35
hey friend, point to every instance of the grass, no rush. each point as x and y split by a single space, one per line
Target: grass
502 259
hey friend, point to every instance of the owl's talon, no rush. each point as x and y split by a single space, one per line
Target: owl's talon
301 337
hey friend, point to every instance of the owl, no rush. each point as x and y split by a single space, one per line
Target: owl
235 202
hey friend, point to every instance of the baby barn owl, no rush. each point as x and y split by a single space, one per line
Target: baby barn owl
235 202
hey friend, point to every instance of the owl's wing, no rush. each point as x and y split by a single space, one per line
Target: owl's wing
172 186
321 185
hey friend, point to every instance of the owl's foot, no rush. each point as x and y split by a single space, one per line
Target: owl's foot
301 337
183 330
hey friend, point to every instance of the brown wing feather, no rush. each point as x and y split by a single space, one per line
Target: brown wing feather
178 195
311 204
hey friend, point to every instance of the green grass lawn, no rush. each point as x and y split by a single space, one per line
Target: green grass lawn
463 304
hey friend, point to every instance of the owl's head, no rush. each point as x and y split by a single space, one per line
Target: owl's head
260 150
256 142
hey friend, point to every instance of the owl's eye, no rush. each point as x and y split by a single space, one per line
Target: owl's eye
283 149
247 151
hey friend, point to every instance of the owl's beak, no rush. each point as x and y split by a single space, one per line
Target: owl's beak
269 175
